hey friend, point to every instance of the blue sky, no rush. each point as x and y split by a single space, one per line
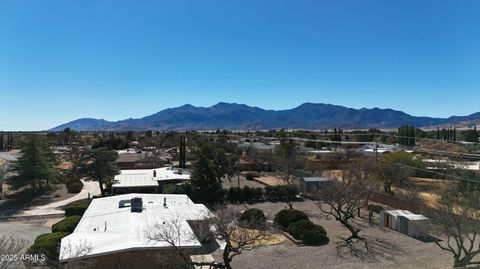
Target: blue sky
62 60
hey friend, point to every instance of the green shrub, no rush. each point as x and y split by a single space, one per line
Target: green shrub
174 188
288 216
74 186
249 176
66 225
234 195
245 194
256 194
51 236
308 232
47 244
253 219
77 208
281 192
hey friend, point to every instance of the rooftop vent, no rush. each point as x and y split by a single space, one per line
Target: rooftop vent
164 201
136 204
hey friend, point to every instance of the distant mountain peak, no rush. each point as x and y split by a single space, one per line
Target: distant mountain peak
236 116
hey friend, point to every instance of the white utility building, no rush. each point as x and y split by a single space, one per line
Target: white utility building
406 222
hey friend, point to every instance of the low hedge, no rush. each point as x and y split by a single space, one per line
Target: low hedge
173 188
66 225
308 232
74 186
253 219
245 194
47 244
249 176
288 216
281 192
77 208
51 236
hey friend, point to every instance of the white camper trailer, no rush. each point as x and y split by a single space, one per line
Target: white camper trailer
406 222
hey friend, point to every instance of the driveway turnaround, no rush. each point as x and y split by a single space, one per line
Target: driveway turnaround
89 188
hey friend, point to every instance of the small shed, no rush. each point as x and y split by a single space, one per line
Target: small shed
406 222
313 184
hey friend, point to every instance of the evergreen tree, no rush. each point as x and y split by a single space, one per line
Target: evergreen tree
472 135
100 165
34 166
411 136
212 163
438 133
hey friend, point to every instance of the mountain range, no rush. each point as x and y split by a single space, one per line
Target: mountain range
243 117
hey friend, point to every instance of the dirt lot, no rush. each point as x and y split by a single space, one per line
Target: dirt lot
390 249
270 180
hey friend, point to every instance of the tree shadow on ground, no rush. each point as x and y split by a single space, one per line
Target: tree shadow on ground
369 249
14 203
428 239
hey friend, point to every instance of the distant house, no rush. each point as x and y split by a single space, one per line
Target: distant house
115 230
406 222
261 147
371 150
147 180
132 159
313 184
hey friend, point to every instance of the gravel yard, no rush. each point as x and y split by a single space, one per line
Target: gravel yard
389 249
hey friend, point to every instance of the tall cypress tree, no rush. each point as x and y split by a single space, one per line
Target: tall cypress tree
438 133
454 133
8 142
1 141
412 136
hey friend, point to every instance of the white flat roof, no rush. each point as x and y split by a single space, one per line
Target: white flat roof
407 214
126 230
145 178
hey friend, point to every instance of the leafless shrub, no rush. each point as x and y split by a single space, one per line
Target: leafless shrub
11 247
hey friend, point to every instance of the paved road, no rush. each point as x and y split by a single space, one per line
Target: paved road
24 231
10 155
53 208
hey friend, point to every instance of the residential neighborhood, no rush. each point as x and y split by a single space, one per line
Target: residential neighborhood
244 134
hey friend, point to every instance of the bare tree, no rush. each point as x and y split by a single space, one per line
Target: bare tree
10 248
236 238
76 256
458 219
223 226
175 233
342 199
286 154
